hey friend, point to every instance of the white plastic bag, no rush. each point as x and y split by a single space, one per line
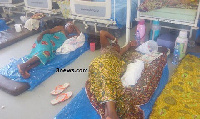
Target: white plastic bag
148 47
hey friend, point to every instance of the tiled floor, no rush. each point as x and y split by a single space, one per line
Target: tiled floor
36 104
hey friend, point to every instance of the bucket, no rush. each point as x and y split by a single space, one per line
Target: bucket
92 47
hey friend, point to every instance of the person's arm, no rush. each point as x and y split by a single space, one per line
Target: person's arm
77 30
50 31
125 48
104 36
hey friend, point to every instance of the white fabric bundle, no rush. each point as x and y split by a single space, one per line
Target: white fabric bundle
71 44
31 24
133 73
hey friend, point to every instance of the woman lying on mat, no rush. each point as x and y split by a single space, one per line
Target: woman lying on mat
104 83
45 46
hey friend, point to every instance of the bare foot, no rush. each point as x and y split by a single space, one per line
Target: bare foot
106 111
110 110
108 117
22 71
112 115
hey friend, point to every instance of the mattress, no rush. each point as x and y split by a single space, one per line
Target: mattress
80 105
10 36
10 75
81 108
13 87
188 15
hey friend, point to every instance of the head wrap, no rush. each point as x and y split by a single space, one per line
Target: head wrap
67 25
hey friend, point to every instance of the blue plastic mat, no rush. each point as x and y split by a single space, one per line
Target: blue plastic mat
195 54
42 72
81 108
3 25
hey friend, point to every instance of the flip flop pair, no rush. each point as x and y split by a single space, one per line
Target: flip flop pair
62 97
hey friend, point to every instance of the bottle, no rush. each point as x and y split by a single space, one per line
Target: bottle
175 59
182 40
137 37
155 30
141 28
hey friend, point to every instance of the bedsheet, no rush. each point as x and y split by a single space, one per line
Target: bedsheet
188 15
180 97
41 73
120 11
149 5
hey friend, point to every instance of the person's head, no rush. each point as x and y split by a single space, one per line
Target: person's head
69 27
116 47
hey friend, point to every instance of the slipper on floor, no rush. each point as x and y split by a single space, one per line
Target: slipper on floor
62 97
59 89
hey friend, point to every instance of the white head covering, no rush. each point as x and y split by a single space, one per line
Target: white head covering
67 25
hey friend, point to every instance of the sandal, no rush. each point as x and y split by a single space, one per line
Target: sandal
62 97
59 89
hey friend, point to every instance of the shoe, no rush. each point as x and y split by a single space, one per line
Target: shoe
59 89
60 98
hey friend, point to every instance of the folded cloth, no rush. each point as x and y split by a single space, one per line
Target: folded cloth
71 44
133 73
31 24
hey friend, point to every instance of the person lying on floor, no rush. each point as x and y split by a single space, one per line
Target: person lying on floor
46 45
104 83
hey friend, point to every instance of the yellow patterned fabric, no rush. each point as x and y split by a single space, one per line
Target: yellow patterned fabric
181 97
106 69
104 84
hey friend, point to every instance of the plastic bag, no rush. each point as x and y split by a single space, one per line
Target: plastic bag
148 47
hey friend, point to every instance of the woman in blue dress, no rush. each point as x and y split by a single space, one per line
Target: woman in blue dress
45 47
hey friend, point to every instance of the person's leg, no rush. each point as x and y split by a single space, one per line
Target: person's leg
24 67
33 65
111 110
104 36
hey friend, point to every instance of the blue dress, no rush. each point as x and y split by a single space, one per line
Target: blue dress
46 48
